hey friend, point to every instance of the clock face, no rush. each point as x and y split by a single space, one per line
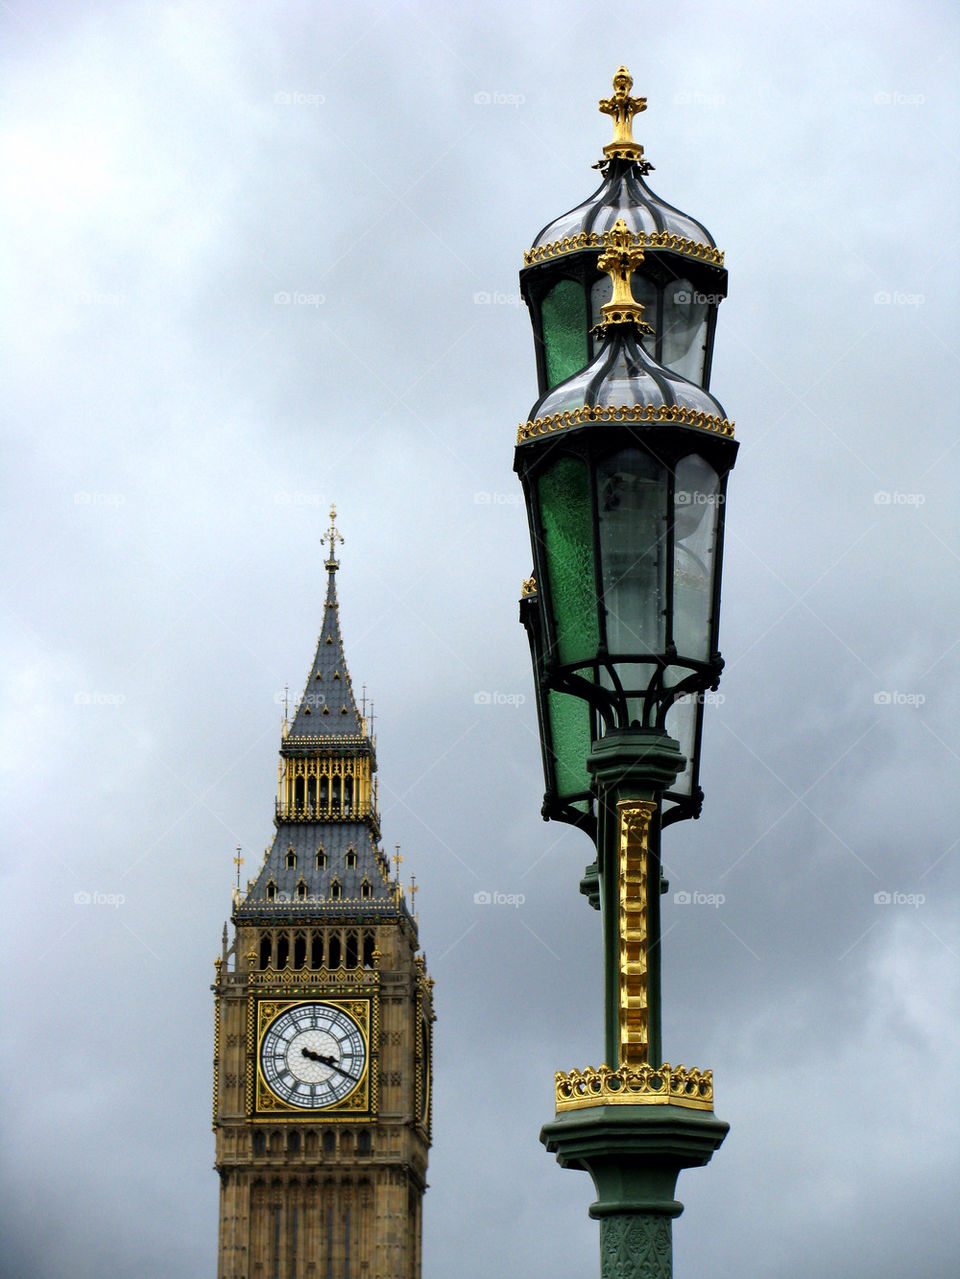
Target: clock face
313 1055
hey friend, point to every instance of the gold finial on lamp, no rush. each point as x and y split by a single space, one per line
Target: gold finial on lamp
623 108
620 258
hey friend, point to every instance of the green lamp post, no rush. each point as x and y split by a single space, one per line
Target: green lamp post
624 466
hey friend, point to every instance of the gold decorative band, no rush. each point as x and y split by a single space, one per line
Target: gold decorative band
633 818
664 1085
643 239
673 413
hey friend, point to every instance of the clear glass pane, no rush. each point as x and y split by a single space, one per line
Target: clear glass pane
571 736
564 495
684 330
696 509
681 723
564 331
643 291
632 507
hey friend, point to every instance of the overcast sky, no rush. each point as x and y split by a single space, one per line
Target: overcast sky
175 435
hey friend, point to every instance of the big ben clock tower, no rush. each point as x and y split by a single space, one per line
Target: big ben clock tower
322 1043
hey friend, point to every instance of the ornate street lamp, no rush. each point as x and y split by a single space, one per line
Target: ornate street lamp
624 466
681 282
624 470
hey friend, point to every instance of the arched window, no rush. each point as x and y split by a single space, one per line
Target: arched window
347 794
351 857
369 946
291 859
363 1142
329 1142
299 950
335 890
266 950
293 1143
333 952
324 792
336 794
259 1142
316 950
351 950
311 795
283 950
271 891
365 890
298 793
321 859
302 890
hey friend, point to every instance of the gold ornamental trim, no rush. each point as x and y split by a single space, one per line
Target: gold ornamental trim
645 1085
674 414
216 1050
529 587
644 239
318 982
633 818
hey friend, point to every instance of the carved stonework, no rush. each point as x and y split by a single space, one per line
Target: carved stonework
635 1246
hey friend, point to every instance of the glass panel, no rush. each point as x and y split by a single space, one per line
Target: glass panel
568 546
684 330
696 509
571 739
643 290
632 507
681 723
564 331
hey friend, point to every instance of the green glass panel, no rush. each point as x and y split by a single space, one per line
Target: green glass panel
564 493
571 738
564 320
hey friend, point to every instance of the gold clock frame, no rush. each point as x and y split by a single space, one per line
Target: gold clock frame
358 1106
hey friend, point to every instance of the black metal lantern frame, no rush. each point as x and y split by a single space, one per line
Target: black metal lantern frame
624 679
670 285
569 792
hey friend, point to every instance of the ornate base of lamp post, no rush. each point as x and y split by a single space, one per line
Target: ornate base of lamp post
633 1126
632 768
634 1153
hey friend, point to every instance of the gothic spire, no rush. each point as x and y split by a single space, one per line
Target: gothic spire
327 706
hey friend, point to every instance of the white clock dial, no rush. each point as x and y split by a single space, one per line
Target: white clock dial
313 1055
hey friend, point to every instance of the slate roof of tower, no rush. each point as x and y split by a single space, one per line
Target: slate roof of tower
327 706
328 687
336 839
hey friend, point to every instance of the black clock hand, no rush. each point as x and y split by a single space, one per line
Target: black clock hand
313 1056
328 1061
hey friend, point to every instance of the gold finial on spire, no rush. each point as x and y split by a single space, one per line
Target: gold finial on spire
333 537
623 108
622 255
238 862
